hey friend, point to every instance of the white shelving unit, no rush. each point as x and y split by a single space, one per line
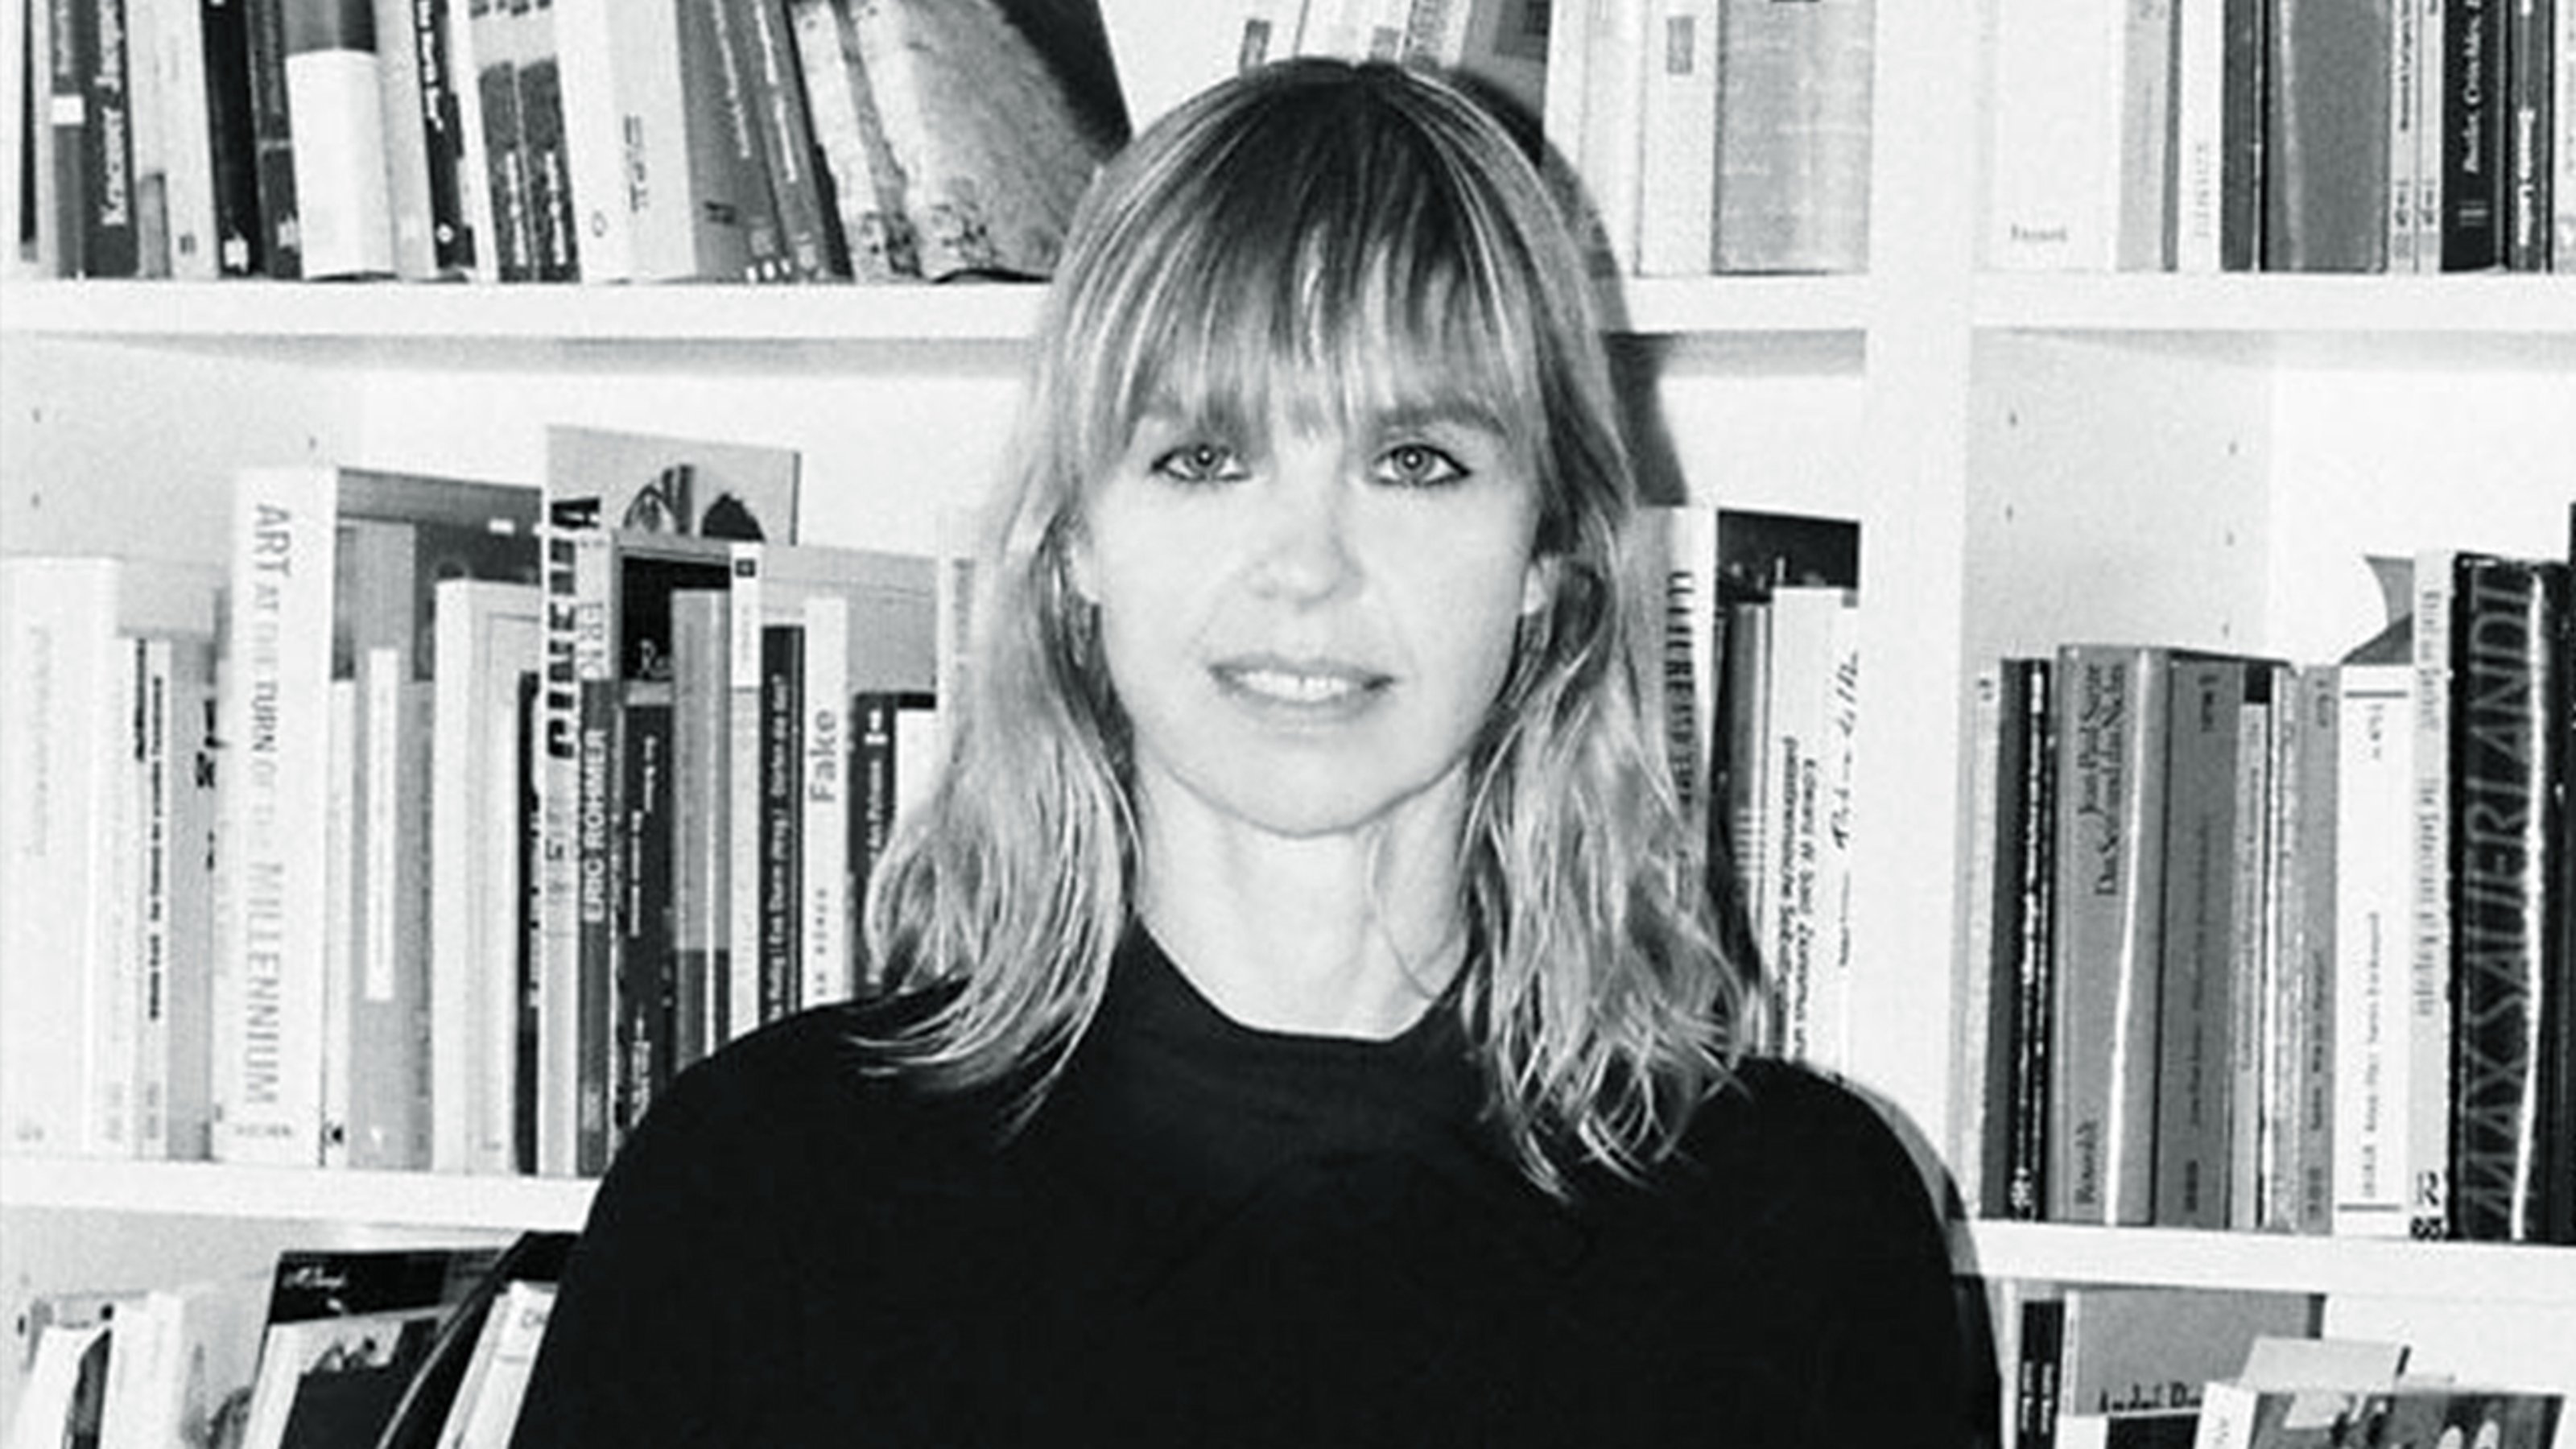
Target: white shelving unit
2031 457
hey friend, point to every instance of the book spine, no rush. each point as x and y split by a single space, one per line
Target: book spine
112 244
2146 193
411 219
574 621
1981 1028
806 218
2261 721
2244 169
71 58
270 965
2055 110
450 174
2405 128
495 31
193 793
1677 182
2199 134
2194 970
2509 647
1611 157
646 995
781 681
273 140
2326 202
2530 106
390 1073
2428 1106
595 956
595 147
2111 805
555 227
2374 905
700 810
335 102
2306 1099
2032 921
731 47
2432 47
745 779
240 235
188 185
2475 155
2562 140
823 793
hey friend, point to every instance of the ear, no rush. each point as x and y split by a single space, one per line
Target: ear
1538 583
1081 571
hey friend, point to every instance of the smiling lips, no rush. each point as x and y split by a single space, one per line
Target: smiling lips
1306 686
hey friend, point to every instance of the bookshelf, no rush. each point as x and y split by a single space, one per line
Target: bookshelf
2031 457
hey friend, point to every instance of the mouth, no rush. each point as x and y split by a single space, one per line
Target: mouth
1303 686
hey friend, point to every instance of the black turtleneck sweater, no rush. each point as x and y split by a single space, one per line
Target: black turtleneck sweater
1214 1235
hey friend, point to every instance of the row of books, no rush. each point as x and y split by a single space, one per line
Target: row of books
555 140
2277 135
517 799
410 1348
869 140
2283 946
2125 1366
1717 136
1761 696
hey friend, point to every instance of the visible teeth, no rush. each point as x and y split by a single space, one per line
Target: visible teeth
1303 688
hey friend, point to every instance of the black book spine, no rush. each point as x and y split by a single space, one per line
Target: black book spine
2474 154
273 141
2508 651
241 244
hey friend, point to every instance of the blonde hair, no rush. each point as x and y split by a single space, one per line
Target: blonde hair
1361 234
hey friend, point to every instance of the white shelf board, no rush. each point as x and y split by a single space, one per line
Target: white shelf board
413 1199
466 318
2500 305
2491 1273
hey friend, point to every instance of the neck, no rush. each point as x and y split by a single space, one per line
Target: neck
1340 935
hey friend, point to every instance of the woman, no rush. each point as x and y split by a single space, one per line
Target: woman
1318 1035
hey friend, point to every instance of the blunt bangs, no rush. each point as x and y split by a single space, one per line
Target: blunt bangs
1349 260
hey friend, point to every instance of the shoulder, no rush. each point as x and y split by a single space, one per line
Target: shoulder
1802 1138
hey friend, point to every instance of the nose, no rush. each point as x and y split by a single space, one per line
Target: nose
1304 552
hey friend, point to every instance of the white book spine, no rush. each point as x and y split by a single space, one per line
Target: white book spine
1612 155
2407 121
823 854
2373 901
594 144
179 63
2200 98
275 723
410 227
2432 48
1677 180
2053 179
344 207
742 984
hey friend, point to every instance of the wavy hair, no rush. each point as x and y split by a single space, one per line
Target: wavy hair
1354 233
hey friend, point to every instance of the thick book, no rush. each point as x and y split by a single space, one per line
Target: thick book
2476 147
335 106
2509 644
2374 908
2078 131
2327 173
1794 136
807 219
656 190
285 627
1679 142
2003 1082
2296 1102
2111 797
488 638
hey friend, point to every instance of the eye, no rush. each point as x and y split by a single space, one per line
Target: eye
1418 465
1199 463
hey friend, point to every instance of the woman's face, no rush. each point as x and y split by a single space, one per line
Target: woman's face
1306 628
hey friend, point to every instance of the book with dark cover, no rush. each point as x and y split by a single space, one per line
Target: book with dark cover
112 245
2243 170
493 32
346 1331
241 243
2476 155
272 135
2534 79
542 142
782 680
2012 1068
452 240
2195 969
2508 687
